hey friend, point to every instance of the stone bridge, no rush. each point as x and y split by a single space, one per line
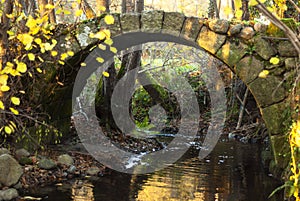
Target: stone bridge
245 49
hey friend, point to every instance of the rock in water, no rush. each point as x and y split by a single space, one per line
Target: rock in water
8 194
10 170
47 164
65 159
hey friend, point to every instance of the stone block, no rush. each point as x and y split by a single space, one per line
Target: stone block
152 21
173 23
210 40
130 22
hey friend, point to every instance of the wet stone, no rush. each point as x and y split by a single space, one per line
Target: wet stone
65 159
8 194
46 164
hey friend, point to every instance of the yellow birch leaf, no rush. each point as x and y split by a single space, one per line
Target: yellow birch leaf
63 56
7 130
38 41
109 41
39 70
78 13
54 53
1 105
102 47
15 100
13 110
21 67
274 60
31 56
109 19
4 88
239 14
113 50
83 64
70 53
100 60
105 74
3 79
263 74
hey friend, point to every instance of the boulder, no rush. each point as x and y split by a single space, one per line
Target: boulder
247 33
93 171
65 159
4 151
219 26
20 153
46 164
8 194
10 170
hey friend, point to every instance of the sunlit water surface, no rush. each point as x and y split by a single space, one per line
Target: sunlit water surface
232 172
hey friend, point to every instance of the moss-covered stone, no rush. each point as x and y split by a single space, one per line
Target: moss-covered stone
130 22
152 21
274 117
267 91
210 40
248 69
263 48
231 53
280 148
173 23
191 28
286 49
219 26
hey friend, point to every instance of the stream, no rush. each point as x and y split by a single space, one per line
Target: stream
232 172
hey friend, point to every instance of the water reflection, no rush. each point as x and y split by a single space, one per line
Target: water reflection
82 191
232 172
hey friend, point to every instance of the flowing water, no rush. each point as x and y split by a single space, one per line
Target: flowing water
232 172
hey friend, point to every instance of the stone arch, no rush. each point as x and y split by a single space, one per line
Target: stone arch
243 48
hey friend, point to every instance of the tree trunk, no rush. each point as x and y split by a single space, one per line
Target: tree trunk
245 9
52 17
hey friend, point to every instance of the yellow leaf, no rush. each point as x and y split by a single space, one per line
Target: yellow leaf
63 56
239 14
22 92
7 130
78 13
38 41
13 110
25 38
83 64
102 47
238 4
54 53
31 56
40 58
109 19
100 60
1 105
61 62
109 41
70 53
11 33
113 49
49 6
39 70
105 74
15 100
274 60
21 67
10 16
263 74
4 88
3 79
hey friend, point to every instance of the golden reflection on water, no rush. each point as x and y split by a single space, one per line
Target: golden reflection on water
82 191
